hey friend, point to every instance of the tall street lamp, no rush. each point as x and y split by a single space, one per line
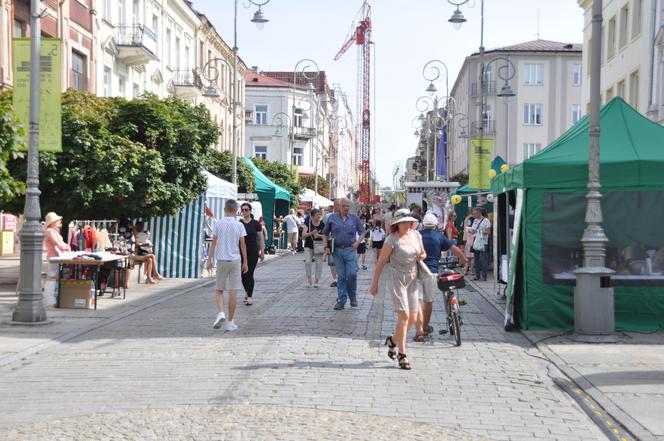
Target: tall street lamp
593 296
308 70
259 19
433 120
432 72
30 309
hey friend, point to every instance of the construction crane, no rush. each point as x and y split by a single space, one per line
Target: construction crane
360 35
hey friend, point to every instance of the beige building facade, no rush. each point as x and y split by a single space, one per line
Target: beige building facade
547 78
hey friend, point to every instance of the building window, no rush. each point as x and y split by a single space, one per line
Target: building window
620 89
530 149
18 29
167 48
636 18
532 74
532 114
611 39
186 57
79 79
261 114
122 85
260 151
155 23
177 52
298 154
624 24
634 89
299 117
609 94
121 13
107 81
576 74
136 19
136 91
576 113
107 11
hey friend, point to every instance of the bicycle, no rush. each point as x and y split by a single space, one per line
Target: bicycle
448 281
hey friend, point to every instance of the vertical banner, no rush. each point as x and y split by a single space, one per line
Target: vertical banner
50 118
481 152
441 163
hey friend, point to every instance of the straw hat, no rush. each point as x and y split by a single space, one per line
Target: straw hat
403 215
50 218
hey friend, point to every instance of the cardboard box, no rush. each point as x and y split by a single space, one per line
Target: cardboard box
77 294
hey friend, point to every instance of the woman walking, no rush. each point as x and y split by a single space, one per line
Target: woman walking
312 232
255 249
468 237
403 248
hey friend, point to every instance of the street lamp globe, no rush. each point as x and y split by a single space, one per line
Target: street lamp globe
211 92
457 19
431 89
259 19
506 91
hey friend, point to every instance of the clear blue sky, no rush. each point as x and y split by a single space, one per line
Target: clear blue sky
407 34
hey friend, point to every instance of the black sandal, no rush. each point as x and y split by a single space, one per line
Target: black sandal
403 362
391 345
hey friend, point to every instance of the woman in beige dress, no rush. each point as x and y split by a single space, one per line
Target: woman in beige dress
403 249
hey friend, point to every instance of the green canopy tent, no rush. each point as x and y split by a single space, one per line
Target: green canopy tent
272 197
550 191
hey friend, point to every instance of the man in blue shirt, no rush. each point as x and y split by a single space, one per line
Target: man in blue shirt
434 243
347 230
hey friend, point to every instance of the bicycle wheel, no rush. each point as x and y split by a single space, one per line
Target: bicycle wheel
456 327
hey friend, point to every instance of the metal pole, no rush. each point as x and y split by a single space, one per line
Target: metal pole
482 95
428 123
30 308
234 96
291 138
593 296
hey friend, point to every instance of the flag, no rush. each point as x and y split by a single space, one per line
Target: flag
441 154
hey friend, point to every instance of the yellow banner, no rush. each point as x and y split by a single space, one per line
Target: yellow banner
481 155
50 117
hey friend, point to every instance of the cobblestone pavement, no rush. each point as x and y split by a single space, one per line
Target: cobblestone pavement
295 369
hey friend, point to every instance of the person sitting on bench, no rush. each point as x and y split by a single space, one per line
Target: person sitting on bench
144 249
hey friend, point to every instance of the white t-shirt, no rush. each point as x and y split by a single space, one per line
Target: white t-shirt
482 224
291 223
378 235
228 232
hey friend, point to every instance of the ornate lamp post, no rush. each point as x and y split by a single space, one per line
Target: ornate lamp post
308 70
259 19
30 309
433 119
432 72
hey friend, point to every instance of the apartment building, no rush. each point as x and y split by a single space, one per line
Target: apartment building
69 20
632 59
547 78
343 174
287 119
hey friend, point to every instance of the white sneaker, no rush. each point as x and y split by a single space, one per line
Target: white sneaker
231 326
221 318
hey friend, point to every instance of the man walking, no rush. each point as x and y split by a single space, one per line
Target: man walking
347 231
229 250
292 226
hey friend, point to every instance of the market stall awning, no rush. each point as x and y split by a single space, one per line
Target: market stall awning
218 188
309 195
264 184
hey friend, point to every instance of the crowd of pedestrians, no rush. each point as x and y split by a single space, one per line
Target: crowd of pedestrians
407 243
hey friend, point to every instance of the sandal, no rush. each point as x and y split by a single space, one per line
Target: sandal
403 362
246 299
391 345
249 302
420 338
428 330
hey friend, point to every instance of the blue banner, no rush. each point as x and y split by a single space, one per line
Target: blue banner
441 154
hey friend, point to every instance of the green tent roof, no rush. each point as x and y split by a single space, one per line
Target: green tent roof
631 155
264 184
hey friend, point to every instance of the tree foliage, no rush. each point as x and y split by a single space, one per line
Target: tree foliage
461 178
310 182
120 158
220 164
11 144
280 174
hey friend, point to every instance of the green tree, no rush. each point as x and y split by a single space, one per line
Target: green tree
280 174
11 144
461 178
310 182
220 164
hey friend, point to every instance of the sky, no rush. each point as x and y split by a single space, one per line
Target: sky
406 35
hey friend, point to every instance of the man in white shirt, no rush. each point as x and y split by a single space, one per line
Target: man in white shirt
229 250
292 225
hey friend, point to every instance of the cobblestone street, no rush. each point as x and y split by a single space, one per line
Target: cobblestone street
295 369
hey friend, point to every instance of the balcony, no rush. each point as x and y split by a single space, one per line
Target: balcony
489 128
187 84
489 88
304 133
137 45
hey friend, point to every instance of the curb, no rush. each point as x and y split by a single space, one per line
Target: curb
631 426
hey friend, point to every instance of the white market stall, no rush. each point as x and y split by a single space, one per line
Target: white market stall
179 240
314 198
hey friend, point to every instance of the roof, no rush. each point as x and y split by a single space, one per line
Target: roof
631 155
318 78
538 46
256 79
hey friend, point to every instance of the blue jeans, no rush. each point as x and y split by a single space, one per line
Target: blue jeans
481 262
345 260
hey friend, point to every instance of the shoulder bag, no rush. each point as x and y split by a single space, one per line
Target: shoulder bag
479 244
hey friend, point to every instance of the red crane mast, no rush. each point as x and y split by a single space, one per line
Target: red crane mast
361 36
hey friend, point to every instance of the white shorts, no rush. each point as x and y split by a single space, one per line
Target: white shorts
428 288
229 275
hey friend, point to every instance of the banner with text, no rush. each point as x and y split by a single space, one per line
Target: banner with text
481 154
50 115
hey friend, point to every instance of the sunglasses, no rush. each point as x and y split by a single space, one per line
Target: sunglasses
246 209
